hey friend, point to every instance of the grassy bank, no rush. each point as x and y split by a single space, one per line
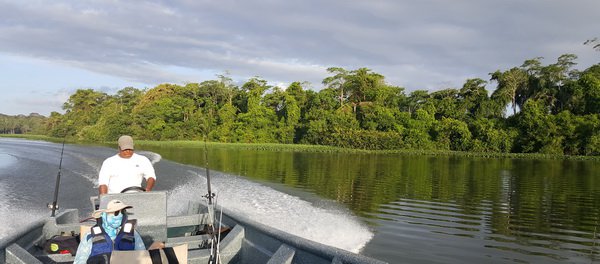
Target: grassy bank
32 137
317 148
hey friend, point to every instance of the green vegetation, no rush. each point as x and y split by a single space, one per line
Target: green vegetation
275 147
21 124
31 137
554 110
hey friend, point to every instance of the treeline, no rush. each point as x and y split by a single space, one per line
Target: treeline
20 124
552 109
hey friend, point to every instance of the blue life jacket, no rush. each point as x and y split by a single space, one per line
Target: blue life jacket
102 245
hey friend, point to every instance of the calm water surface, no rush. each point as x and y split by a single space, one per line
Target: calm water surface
426 209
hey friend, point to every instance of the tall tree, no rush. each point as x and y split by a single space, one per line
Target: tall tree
554 78
363 85
258 124
296 90
227 113
512 85
415 101
538 131
447 104
590 83
82 109
165 112
473 95
337 82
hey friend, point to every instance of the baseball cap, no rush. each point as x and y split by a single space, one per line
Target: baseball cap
125 142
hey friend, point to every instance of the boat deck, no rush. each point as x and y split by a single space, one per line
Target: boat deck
245 242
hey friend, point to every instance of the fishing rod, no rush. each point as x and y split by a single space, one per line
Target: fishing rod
54 205
208 228
210 195
214 248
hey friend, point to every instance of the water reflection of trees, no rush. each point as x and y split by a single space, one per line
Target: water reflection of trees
513 195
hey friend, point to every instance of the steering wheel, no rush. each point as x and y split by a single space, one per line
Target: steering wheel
132 189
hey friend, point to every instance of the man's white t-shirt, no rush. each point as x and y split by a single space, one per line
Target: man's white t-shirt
118 173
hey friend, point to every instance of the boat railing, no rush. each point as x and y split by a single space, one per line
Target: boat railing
18 247
14 245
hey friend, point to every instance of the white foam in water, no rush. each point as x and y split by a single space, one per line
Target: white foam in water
333 227
153 157
14 216
17 218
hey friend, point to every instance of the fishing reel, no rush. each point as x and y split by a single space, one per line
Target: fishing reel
209 196
52 206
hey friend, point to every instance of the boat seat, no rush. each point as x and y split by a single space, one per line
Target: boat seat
285 254
16 254
150 211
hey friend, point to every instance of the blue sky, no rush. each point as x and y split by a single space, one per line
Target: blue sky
48 49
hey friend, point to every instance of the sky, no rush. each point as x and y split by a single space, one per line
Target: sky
49 49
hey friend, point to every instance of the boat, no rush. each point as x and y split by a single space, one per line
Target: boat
238 239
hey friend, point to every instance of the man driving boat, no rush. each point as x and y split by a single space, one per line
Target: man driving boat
125 169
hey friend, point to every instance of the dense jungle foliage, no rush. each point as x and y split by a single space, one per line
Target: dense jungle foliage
534 108
21 124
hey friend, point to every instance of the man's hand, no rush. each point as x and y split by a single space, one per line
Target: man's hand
102 189
156 245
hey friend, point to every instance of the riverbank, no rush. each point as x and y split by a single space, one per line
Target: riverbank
316 148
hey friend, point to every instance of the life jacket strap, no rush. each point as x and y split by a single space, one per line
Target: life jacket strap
155 256
171 257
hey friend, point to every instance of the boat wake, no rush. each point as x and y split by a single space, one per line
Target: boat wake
153 157
331 226
15 214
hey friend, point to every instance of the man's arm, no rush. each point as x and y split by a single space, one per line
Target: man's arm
149 173
103 177
102 189
150 184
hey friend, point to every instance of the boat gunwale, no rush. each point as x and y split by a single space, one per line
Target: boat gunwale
14 237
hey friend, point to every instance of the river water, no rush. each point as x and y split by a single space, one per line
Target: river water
28 170
397 208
